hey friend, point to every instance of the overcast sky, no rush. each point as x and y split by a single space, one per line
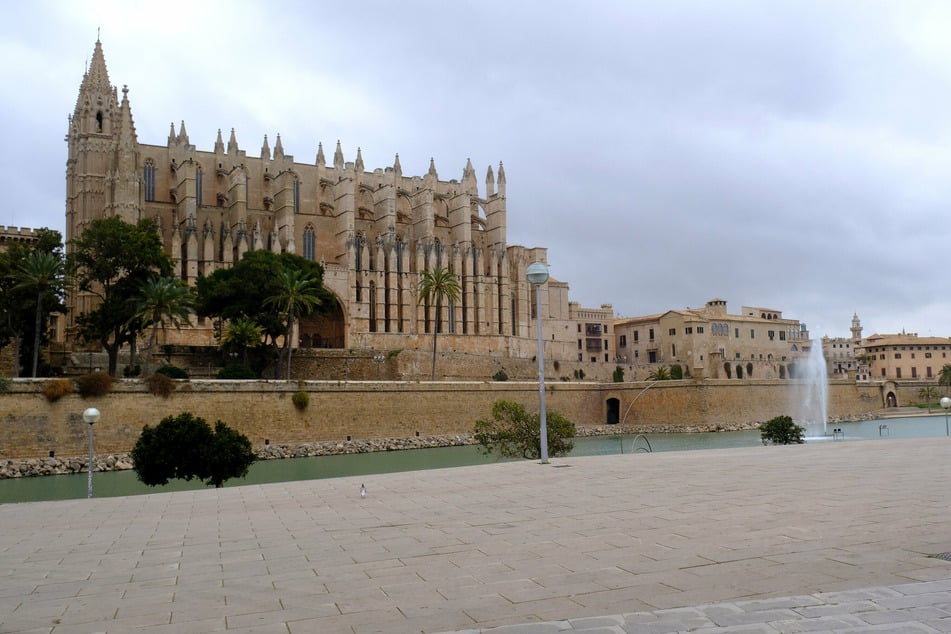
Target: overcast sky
794 155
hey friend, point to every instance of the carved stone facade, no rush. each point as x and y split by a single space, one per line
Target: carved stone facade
374 232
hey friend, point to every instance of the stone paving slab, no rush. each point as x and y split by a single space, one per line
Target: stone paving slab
829 536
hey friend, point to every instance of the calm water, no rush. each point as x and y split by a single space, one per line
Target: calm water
117 483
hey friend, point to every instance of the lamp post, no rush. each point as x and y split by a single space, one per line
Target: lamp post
91 416
378 359
946 404
537 274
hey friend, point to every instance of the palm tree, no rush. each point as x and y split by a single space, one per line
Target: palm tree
929 393
243 333
42 272
437 286
944 375
660 373
298 294
162 301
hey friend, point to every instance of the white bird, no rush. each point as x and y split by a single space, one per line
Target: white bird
363 490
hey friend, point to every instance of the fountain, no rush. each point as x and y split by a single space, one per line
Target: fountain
810 397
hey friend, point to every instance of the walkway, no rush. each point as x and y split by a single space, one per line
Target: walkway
832 536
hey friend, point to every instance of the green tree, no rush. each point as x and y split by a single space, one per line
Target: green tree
112 260
297 294
162 301
43 273
781 430
660 373
944 376
28 294
242 335
513 433
676 372
240 291
435 287
618 374
928 394
185 447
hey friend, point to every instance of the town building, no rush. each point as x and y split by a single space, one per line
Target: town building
710 342
905 356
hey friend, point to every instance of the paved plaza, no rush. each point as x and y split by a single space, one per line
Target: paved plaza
829 537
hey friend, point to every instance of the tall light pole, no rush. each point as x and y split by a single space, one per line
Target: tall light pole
946 403
91 416
537 274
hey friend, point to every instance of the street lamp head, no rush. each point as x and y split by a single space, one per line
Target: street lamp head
91 415
945 402
537 273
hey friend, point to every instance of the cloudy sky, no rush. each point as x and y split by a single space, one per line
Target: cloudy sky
794 155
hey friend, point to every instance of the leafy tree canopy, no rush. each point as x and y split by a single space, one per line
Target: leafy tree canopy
31 287
782 431
514 433
113 259
185 447
242 290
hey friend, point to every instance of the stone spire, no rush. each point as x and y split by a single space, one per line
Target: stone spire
469 179
501 180
359 161
171 133
219 144
489 182
338 157
321 161
97 100
265 149
182 135
96 79
397 168
432 167
278 149
232 143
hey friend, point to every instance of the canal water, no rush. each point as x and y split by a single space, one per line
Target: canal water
116 483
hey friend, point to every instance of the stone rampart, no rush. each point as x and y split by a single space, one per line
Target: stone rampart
32 427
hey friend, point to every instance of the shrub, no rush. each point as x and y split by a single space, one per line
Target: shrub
185 447
93 385
676 372
234 371
579 374
172 372
160 385
500 376
513 433
618 374
782 431
4 384
301 400
57 389
132 370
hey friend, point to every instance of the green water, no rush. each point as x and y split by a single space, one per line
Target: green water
116 483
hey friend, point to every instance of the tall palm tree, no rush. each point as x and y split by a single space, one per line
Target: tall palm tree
163 301
944 375
44 273
435 287
298 294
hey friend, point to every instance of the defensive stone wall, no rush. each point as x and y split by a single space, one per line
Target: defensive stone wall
338 410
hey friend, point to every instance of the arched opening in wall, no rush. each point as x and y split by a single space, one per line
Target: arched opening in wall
324 329
372 292
739 371
728 370
782 371
891 400
749 370
613 411
99 121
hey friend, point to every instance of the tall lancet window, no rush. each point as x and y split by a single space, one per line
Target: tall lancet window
296 196
198 186
148 176
310 243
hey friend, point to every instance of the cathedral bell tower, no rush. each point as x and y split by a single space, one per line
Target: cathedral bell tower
102 170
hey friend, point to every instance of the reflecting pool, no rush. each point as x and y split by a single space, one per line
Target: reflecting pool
116 483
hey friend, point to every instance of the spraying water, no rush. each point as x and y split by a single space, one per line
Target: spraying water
811 395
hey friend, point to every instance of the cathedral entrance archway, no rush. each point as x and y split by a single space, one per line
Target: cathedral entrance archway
323 330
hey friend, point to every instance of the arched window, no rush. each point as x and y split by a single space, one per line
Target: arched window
148 178
296 195
198 186
310 243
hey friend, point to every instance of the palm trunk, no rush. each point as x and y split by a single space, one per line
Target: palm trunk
36 334
435 335
287 343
